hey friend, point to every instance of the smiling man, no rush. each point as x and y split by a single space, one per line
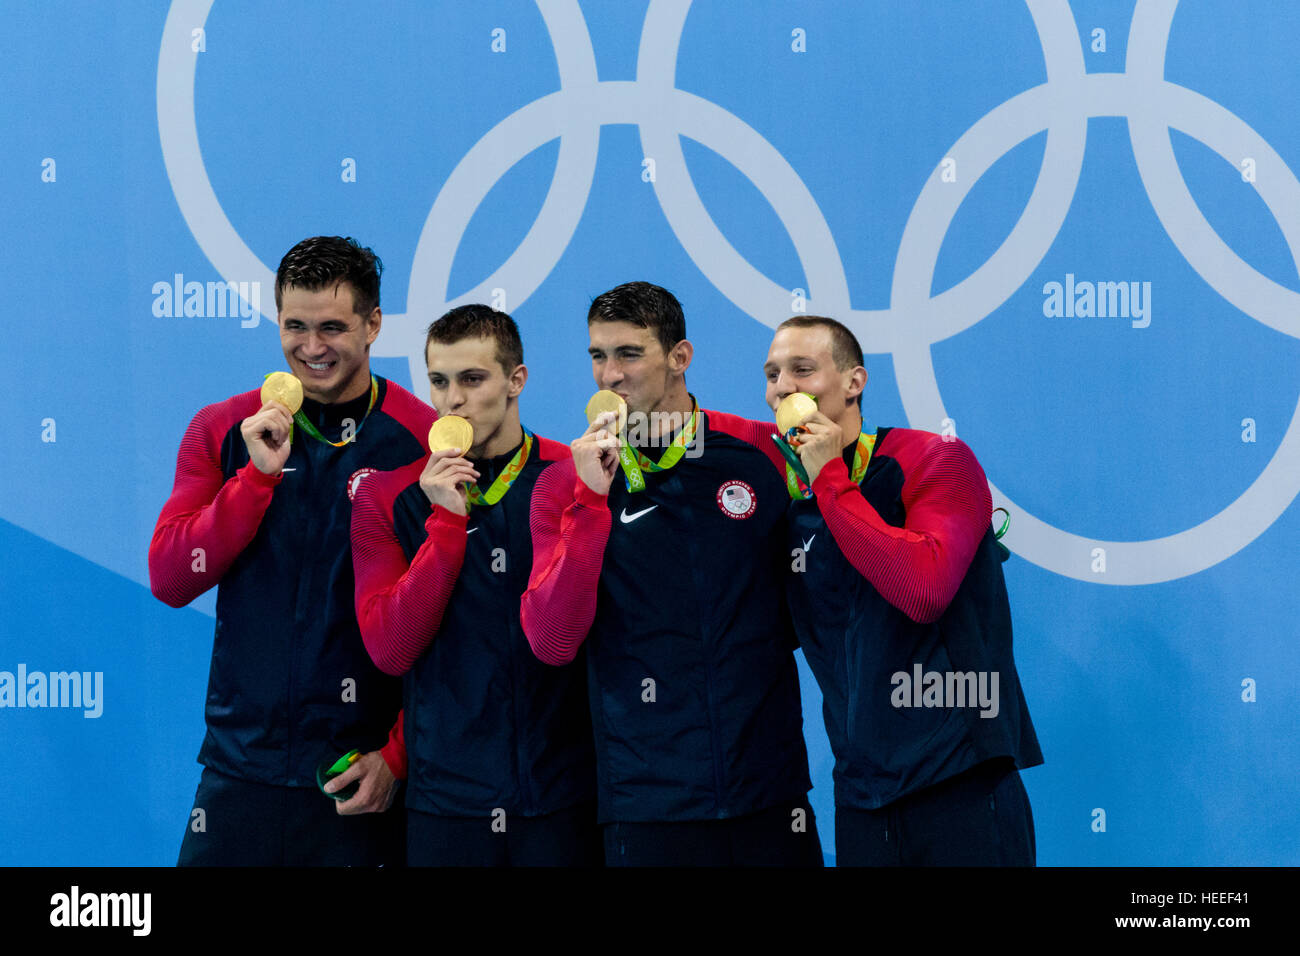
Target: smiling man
901 608
261 508
499 745
671 578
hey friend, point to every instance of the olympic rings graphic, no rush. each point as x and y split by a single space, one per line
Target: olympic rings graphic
914 321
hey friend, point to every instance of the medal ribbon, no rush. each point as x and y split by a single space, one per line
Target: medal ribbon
314 432
634 463
496 491
796 482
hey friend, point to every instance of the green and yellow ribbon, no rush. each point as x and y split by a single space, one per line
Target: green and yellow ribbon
301 420
634 463
496 491
796 476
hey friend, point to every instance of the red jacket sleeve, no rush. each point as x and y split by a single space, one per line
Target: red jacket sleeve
208 520
919 567
394 752
570 526
400 606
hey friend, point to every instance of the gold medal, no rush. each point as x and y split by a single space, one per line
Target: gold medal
283 388
451 431
794 411
607 401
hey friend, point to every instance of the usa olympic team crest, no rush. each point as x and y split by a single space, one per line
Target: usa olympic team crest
736 499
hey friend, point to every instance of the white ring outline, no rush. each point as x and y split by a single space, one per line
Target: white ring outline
582 97
1217 538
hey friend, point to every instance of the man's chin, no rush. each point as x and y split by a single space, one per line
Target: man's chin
318 391
637 406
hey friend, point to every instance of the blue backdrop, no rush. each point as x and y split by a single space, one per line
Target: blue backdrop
1066 232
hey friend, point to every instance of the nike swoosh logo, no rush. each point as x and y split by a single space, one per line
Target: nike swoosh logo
807 545
470 532
628 519
288 469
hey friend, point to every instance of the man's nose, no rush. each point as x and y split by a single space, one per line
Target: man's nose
315 346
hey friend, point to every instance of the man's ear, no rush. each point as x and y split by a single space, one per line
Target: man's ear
374 322
679 357
518 378
857 381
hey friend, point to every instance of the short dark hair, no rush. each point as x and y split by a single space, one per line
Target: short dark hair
648 306
480 321
846 353
323 261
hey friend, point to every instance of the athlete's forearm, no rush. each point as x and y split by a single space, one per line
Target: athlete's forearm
394 752
919 567
206 523
569 536
400 607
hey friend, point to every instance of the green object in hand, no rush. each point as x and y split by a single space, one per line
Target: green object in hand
328 770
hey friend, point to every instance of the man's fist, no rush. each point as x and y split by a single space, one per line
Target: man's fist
595 453
822 442
377 785
444 477
266 435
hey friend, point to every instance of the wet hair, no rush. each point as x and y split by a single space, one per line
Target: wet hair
322 262
645 305
480 321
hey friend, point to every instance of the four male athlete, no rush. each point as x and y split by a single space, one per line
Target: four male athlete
596 640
